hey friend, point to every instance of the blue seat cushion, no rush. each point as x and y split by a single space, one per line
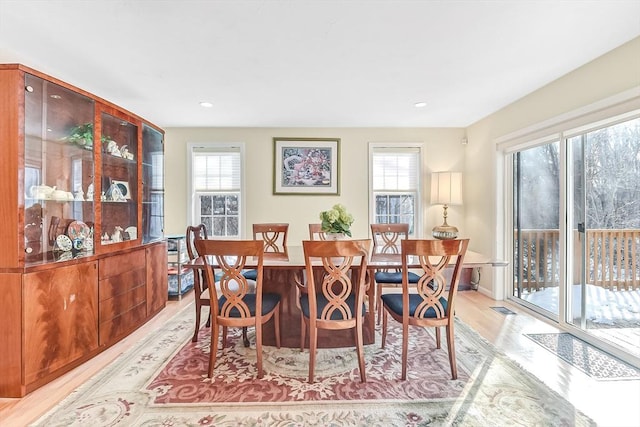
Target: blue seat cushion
322 301
269 301
250 274
394 277
394 303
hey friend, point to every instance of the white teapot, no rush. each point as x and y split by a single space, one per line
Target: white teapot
59 195
41 191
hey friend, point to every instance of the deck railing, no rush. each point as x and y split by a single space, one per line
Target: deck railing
613 259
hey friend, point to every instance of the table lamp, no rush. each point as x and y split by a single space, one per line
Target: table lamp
446 189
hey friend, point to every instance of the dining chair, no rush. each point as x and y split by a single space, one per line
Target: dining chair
200 288
386 240
431 304
316 233
333 299
274 236
232 302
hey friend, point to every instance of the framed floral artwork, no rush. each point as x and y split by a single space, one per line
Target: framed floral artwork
306 166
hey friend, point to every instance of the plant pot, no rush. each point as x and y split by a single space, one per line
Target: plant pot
336 236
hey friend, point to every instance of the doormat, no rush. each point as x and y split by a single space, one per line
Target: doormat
590 360
503 310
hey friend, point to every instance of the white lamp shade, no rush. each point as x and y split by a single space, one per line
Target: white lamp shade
446 188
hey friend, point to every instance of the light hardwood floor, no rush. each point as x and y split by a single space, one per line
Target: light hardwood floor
609 403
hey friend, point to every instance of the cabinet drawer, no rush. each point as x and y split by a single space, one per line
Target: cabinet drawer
120 304
112 330
122 283
118 264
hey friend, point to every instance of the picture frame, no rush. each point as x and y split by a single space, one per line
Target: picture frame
306 166
124 188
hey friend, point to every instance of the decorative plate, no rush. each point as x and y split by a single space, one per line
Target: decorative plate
88 243
64 243
78 230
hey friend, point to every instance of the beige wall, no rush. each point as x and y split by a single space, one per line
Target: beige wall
613 73
442 151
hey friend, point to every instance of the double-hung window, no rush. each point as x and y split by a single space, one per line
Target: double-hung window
395 184
216 188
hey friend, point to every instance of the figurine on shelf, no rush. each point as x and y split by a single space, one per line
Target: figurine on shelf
115 193
124 152
112 148
117 234
90 192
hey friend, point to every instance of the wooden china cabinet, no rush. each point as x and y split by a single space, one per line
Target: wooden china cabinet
83 260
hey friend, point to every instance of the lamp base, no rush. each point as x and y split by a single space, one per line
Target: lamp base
445 232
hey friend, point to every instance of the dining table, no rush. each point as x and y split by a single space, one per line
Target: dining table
280 273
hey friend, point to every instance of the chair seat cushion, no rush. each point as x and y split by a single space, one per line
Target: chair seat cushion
394 277
322 301
250 274
394 303
269 302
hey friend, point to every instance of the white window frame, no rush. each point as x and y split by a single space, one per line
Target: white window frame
192 199
419 199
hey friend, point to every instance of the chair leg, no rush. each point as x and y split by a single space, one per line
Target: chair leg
313 341
384 327
215 331
276 324
303 332
245 339
259 347
379 307
360 350
405 349
452 352
438 337
224 337
195 333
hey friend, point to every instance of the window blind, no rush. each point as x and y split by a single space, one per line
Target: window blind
217 170
395 169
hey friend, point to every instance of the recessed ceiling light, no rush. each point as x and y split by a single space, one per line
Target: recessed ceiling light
55 96
420 104
206 104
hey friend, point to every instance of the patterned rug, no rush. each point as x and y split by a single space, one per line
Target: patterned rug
162 382
584 356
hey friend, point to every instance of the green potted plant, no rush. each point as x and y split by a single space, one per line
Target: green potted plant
336 221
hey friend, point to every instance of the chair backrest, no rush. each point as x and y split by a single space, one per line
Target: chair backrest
274 236
344 267
230 257
316 233
434 257
387 237
195 232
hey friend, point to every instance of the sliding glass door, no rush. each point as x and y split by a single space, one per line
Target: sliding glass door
604 291
536 213
583 272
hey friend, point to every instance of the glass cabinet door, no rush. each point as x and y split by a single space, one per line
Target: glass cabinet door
152 184
119 183
58 172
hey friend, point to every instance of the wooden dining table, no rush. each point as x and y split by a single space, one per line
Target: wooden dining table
280 273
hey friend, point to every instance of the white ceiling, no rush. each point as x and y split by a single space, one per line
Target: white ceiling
311 63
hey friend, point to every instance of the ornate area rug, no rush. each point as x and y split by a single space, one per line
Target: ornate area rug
590 360
162 382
